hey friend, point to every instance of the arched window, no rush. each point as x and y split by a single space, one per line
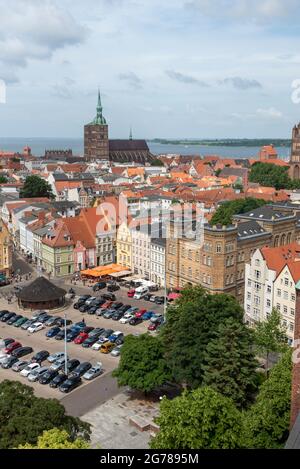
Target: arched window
283 238
276 241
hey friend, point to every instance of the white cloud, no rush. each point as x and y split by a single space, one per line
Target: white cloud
270 113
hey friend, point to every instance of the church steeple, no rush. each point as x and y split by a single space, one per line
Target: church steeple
99 119
130 133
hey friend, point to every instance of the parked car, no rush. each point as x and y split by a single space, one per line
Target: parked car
55 356
81 338
70 384
90 300
147 296
140 292
153 326
13 319
12 346
109 313
126 318
52 321
27 324
81 300
89 341
61 334
40 356
81 369
140 313
115 336
21 351
9 362
84 307
96 332
57 380
72 364
38 314
36 374
125 308
8 316
148 315
159 300
131 293
61 322
152 298
8 341
2 312
3 357
59 364
29 368
135 321
116 351
35 327
132 310
45 318
93 372
113 287
48 376
20 321
92 309
53 331
157 318
99 286
19 365
71 335
107 347
109 296
117 315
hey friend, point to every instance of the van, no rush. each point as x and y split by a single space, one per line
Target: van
140 292
107 347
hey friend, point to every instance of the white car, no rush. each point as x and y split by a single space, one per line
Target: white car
126 318
36 373
3 356
55 356
97 345
29 368
90 300
93 372
36 326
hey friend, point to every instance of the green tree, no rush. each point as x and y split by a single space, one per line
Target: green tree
142 365
35 186
218 172
3 179
225 211
270 336
266 423
201 419
24 417
229 363
157 162
271 175
56 439
189 328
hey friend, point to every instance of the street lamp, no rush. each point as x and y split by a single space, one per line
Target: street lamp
66 359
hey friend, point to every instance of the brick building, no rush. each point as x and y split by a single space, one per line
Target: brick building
294 171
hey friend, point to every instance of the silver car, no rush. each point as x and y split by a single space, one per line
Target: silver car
116 351
56 356
93 372
58 364
20 365
35 374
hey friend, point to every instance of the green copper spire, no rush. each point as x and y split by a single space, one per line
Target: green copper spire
99 119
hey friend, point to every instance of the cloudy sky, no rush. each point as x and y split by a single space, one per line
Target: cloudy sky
169 68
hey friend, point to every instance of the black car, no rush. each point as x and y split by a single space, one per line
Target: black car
81 300
21 351
83 308
109 296
8 316
106 333
72 364
89 341
116 305
13 319
117 315
9 362
2 312
135 321
147 297
8 341
92 309
70 384
96 332
114 287
124 308
39 357
81 369
61 334
52 321
159 300
45 318
61 322
58 380
99 286
48 376
72 335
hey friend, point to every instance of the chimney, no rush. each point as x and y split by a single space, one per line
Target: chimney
295 398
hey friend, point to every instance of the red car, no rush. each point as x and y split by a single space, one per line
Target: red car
11 347
153 326
130 293
106 305
140 313
81 338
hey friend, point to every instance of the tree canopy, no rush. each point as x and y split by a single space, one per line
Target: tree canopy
142 364
157 162
271 175
266 423
189 328
3 179
225 211
35 186
24 417
200 419
229 363
56 439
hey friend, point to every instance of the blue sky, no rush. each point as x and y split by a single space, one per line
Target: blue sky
169 68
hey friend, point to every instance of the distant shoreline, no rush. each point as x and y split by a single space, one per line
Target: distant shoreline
226 142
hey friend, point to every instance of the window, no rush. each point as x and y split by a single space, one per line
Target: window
292 312
285 295
293 297
278 292
285 310
256 300
257 274
286 281
269 289
248 308
268 303
257 286
291 326
278 307
218 248
257 262
190 272
284 323
249 283
209 263
248 296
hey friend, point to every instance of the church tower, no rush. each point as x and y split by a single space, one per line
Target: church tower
294 171
96 143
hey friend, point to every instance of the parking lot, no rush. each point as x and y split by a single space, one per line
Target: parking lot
38 341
